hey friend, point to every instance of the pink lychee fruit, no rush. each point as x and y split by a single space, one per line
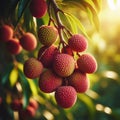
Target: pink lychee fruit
87 63
13 46
32 68
66 96
38 8
49 81
46 56
63 64
28 41
6 33
79 81
78 43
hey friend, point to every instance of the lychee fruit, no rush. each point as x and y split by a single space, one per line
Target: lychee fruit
33 103
38 8
79 81
47 35
6 33
27 113
16 104
46 56
78 43
67 50
66 96
63 64
13 46
87 63
28 41
49 81
32 68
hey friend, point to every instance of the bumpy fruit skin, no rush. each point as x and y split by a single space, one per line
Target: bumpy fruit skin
46 55
47 35
49 81
6 33
32 68
28 41
16 105
79 81
13 46
63 64
87 63
66 96
38 8
78 43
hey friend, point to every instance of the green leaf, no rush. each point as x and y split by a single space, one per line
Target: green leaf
26 88
90 105
21 8
13 77
5 75
79 24
72 23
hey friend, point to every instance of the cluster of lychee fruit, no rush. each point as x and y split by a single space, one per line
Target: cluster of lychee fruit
27 112
61 69
14 44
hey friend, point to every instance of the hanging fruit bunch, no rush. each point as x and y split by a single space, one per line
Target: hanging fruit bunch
62 64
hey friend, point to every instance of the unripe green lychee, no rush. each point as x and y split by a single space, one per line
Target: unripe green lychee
28 41
46 56
6 33
47 35
66 96
87 63
32 68
77 42
63 64
79 81
38 8
49 81
13 46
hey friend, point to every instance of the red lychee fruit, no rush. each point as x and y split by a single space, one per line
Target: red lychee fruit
78 43
49 81
38 8
16 105
6 33
66 96
28 41
79 81
32 68
33 103
63 64
67 50
27 113
87 63
46 56
13 46
47 35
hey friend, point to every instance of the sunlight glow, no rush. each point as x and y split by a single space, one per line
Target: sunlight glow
110 74
113 5
107 110
48 115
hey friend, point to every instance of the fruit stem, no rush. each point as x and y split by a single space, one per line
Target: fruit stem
60 26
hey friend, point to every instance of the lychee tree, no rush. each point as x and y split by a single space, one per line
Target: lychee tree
42 57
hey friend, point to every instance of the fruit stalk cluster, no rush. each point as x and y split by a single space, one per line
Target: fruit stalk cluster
61 65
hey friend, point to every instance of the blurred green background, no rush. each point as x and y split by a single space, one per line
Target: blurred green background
102 100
